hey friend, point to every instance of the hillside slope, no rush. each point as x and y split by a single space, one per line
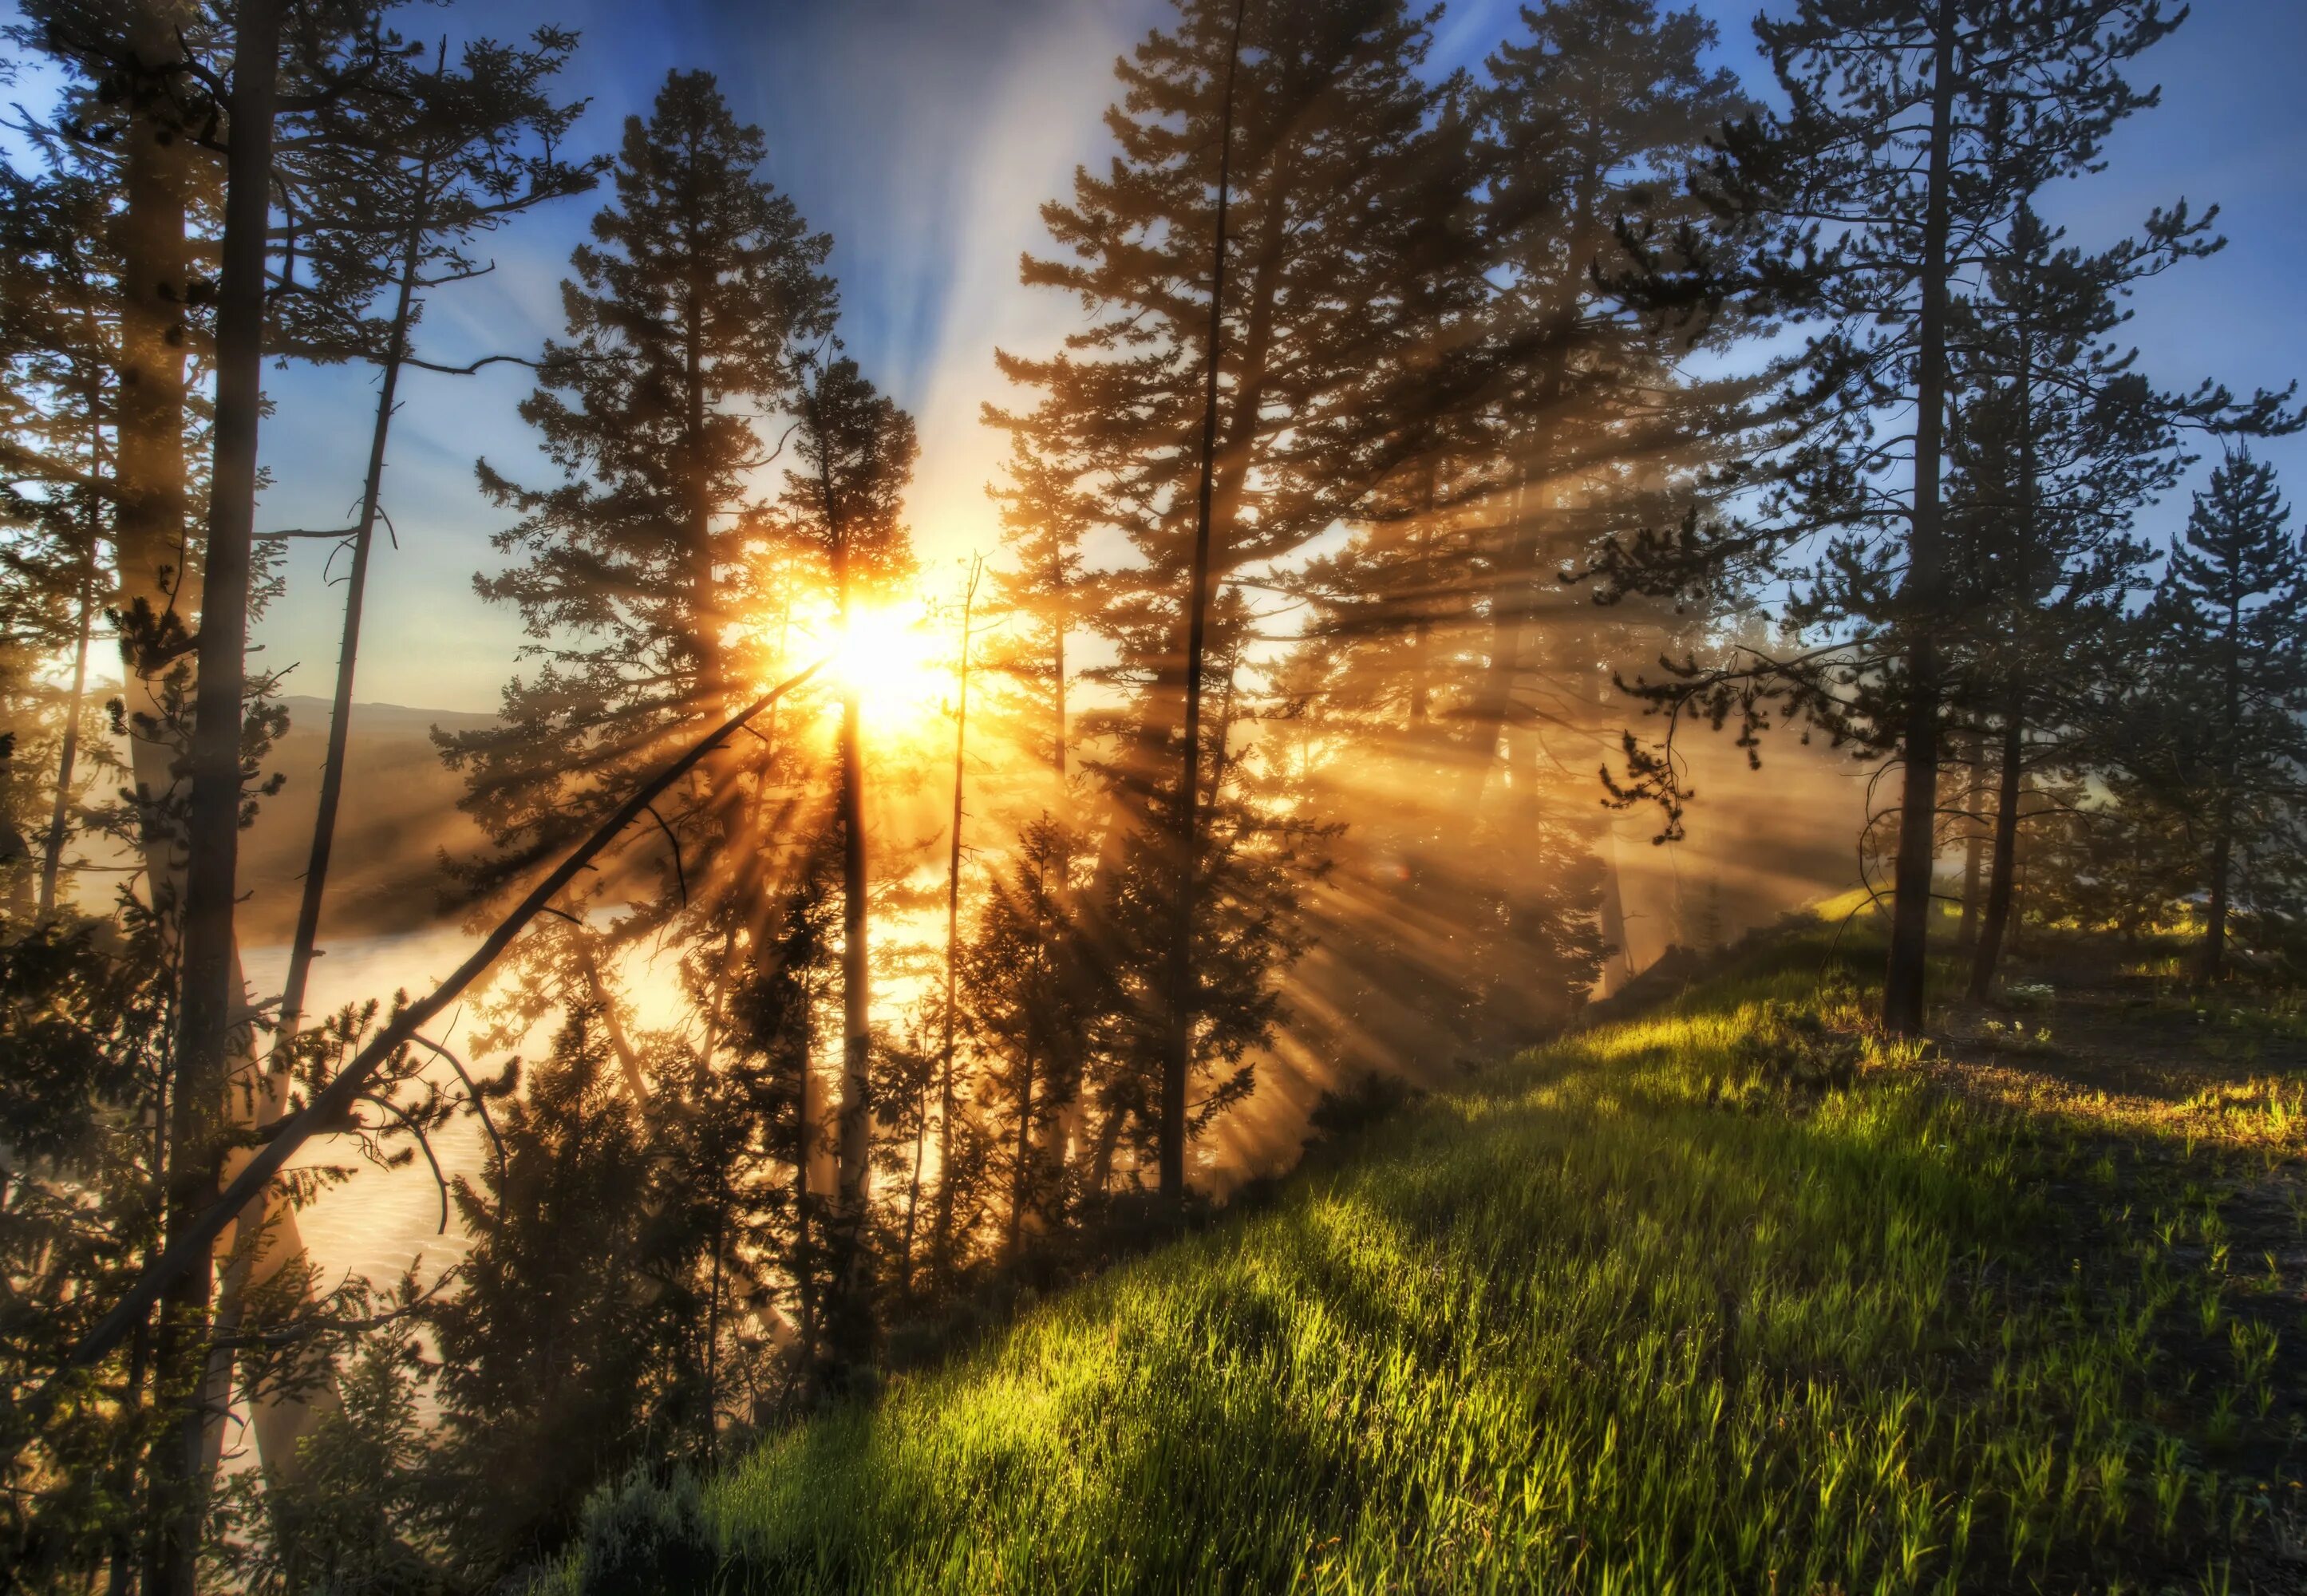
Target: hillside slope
1721 1297
399 811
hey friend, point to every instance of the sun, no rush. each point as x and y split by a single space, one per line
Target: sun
886 655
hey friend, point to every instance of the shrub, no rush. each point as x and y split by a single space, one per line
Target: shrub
642 1537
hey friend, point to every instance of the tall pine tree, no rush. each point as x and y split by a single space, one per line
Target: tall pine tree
2230 679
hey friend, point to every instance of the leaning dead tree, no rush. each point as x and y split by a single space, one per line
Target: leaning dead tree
333 1105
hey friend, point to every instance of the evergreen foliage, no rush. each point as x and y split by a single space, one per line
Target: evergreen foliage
1416 434
2225 711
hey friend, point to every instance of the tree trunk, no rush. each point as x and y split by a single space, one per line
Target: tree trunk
913 1196
704 599
207 1007
2215 913
52 857
155 281
1422 626
2213 962
1618 960
1176 1056
1101 1150
848 1325
2000 886
1908 969
1058 662
1021 1170
1510 608
942 1242
1974 841
807 1111
713 1331
153 572
340 712
1996 932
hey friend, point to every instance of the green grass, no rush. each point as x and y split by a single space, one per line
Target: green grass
1621 1316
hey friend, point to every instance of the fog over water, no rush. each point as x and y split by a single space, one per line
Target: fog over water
382 1222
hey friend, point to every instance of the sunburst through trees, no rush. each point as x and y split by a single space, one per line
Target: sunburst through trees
1429 445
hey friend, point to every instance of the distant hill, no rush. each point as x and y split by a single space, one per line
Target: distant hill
399 811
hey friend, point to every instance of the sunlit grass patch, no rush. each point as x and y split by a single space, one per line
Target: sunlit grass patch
1640 1312
2261 1114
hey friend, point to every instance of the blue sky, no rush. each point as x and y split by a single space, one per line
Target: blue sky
924 134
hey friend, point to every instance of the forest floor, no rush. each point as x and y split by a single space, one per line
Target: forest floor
1728 1296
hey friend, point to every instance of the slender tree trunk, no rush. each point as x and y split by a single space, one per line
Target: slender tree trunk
1421 627
2215 913
1177 1061
1618 964
914 1193
1994 927
2212 961
807 1113
1996 933
943 1240
704 599
1908 970
1510 606
1061 1067
713 1336
121 1576
1058 672
1974 841
340 712
848 1323
1021 1168
1102 1150
207 1006
155 575
856 990
52 855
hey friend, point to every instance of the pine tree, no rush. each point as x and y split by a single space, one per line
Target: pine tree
687 317
1259 851
2230 678
554 1372
1447 639
1045 516
462 154
84 1013
277 103
2058 443
58 341
1596 121
789 959
1913 128
846 500
1031 1011
1274 351
1054 623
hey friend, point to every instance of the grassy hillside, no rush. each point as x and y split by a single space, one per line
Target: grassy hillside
1722 1298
